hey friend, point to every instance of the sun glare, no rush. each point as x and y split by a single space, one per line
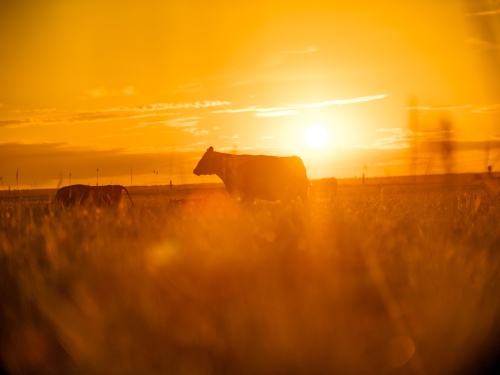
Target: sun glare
316 136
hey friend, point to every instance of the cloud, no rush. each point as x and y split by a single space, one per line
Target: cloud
143 124
195 131
35 111
120 113
399 138
291 109
17 123
77 117
360 99
261 112
484 13
430 144
440 108
404 138
275 58
429 141
183 122
248 109
195 105
494 108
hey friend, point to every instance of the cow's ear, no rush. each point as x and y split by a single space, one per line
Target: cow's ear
210 149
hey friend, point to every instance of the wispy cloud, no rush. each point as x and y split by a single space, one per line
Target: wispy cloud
399 138
17 123
360 99
440 108
34 111
120 113
195 131
292 109
187 124
195 105
275 58
396 139
494 108
485 13
260 111
143 124
78 117
183 122
399 131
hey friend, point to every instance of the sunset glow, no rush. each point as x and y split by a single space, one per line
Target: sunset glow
316 136
250 187
129 88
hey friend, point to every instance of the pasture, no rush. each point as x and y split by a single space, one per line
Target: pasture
382 278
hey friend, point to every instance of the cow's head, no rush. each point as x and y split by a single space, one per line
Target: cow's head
207 164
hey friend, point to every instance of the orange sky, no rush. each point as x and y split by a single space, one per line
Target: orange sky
150 85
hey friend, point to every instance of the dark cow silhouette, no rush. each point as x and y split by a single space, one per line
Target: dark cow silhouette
108 195
249 177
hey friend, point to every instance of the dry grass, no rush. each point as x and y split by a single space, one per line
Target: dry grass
382 280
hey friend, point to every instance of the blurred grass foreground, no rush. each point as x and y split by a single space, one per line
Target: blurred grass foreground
379 279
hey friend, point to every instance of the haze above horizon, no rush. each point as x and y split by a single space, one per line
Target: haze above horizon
134 93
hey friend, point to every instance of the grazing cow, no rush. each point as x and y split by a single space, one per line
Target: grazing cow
72 195
249 177
109 195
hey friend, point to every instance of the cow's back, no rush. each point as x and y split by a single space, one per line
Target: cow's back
270 177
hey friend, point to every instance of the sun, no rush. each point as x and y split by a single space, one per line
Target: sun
316 136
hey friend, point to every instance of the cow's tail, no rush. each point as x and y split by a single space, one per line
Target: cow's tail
126 191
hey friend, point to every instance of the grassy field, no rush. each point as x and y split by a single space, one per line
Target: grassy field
378 279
